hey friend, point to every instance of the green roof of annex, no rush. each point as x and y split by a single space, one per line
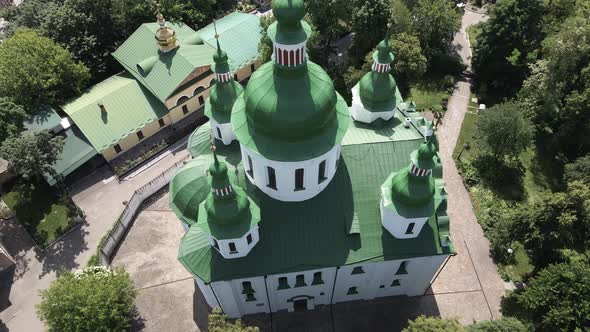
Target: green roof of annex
340 226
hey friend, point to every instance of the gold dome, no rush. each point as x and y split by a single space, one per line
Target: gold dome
165 36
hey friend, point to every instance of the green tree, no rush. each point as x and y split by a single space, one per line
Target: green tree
85 28
507 44
11 119
328 16
557 299
94 299
35 71
218 323
128 15
32 155
579 170
433 324
504 324
409 64
435 24
503 131
369 23
401 18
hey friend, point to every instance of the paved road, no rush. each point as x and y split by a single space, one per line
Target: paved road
99 196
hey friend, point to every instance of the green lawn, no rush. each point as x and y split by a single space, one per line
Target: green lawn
473 31
44 215
425 99
521 266
466 136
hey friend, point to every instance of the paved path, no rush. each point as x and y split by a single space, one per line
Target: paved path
466 232
100 196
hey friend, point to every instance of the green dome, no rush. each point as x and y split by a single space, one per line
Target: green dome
220 61
424 157
222 97
188 189
288 12
383 54
290 104
378 92
412 190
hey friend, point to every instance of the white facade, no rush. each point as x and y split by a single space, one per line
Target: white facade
222 131
241 246
363 281
398 226
359 112
292 181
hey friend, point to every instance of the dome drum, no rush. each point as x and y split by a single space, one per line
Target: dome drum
237 247
289 55
359 112
222 131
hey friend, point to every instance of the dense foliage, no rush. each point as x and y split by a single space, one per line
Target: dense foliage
435 23
578 170
93 299
504 324
433 324
218 322
32 155
11 119
35 71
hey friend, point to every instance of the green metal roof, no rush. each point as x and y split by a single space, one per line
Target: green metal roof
342 225
44 119
161 73
239 33
129 108
77 150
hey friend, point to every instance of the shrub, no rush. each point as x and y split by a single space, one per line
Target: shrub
504 324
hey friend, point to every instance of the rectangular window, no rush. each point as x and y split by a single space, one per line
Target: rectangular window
402 269
236 77
358 270
184 109
283 283
232 248
201 100
395 283
161 122
410 228
252 68
215 244
247 287
352 291
317 279
272 178
250 167
322 172
118 148
299 179
249 238
219 133
140 135
300 280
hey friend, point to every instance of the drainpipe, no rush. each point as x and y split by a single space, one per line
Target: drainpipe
268 299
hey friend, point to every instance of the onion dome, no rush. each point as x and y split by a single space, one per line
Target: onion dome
290 110
378 88
165 36
188 189
224 93
415 184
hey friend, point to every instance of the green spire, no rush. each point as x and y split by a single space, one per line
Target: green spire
383 55
220 57
224 205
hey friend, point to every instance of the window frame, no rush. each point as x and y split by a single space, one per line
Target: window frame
300 179
117 148
229 245
249 238
140 135
300 280
185 110
161 122
271 176
410 228
322 171
283 283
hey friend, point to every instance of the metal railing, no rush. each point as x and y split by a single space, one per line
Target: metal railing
114 236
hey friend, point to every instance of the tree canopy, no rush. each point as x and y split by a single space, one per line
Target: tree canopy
578 170
369 22
433 324
218 322
435 24
503 131
35 71
94 299
11 119
32 155
504 324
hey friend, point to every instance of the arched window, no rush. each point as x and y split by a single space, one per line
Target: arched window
292 56
198 90
285 57
297 56
280 56
181 100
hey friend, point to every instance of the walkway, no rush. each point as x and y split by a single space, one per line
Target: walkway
99 195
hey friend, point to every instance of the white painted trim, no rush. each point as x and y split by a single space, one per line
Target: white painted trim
359 112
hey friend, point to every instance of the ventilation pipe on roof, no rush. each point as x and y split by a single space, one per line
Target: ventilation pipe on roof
145 66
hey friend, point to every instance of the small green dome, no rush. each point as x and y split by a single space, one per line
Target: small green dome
412 190
378 91
220 58
288 12
222 97
383 54
290 104
188 188
424 157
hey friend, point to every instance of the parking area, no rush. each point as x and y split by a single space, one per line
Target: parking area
169 301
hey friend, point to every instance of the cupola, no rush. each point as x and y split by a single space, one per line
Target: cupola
165 36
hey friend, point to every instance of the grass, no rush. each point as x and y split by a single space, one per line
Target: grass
42 213
521 266
473 32
427 99
465 136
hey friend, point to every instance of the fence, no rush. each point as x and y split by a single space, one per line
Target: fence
111 241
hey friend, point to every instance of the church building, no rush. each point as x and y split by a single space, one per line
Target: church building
293 200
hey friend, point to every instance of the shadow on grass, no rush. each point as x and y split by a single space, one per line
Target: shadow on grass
504 179
62 254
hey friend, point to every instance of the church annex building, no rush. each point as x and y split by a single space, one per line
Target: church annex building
302 201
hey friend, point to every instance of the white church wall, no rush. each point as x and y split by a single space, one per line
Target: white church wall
360 113
285 174
241 244
397 225
225 129
316 294
207 293
234 298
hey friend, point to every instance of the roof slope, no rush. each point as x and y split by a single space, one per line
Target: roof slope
342 225
77 150
129 107
162 73
44 119
239 33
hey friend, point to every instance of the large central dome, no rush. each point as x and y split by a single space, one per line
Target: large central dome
290 105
